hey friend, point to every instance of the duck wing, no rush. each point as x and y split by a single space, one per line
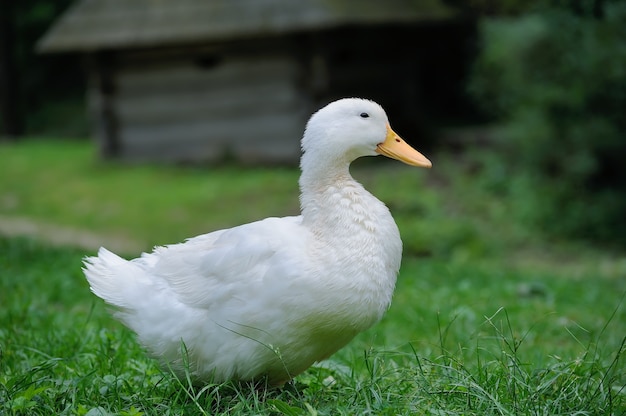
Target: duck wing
208 271
204 272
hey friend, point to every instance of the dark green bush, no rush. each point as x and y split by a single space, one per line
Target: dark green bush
556 81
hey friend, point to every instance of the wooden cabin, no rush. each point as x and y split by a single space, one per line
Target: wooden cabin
204 80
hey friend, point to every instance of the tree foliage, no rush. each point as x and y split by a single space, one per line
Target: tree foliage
556 79
48 88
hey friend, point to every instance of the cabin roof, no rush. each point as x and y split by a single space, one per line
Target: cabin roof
91 25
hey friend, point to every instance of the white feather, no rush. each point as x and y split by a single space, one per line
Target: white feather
269 298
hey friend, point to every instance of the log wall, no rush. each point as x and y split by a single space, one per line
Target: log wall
184 110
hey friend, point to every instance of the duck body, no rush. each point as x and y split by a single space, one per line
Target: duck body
266 300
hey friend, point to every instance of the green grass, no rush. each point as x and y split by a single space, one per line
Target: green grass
488 317
63 183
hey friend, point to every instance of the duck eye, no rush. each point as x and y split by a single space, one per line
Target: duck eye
364 115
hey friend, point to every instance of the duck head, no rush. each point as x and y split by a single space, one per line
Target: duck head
351 128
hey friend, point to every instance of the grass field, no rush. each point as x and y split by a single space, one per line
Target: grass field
488 317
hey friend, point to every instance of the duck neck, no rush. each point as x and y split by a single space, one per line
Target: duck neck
330 199
320 176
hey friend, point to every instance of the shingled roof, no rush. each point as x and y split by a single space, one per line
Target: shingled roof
91 25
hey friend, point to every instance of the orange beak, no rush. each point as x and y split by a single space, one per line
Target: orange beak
396 148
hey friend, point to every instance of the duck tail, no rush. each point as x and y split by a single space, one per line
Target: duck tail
109 277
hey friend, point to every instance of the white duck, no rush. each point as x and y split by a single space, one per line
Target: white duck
266 300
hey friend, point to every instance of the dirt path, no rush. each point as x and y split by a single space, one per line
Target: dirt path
64 236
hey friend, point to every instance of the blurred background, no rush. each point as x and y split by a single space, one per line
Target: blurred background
134 123
524 99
